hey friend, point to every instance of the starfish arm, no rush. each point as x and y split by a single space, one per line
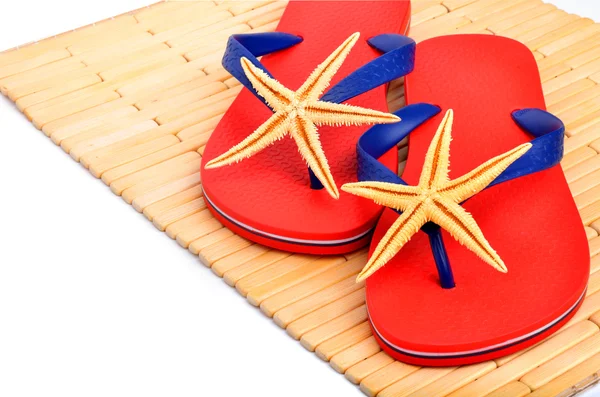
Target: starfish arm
306 137
320 78
437 159
471 183
272 130
391 195
396 237
275 94
461 225
336 114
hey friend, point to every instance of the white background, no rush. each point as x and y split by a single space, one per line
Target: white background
94 300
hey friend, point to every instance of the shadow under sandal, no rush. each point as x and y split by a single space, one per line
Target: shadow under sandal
267 173
481 251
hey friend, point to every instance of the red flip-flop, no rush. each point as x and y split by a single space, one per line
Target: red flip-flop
271 197
435 302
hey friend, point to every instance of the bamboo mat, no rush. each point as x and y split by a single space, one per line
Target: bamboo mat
135 98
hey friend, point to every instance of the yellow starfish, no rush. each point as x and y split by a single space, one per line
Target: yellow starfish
436 198
298 113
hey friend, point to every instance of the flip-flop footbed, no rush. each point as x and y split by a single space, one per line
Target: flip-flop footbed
267 198
532 221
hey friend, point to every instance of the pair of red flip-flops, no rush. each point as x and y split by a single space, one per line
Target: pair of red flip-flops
485 91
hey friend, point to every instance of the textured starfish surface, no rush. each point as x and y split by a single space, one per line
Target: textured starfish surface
437 199
299 113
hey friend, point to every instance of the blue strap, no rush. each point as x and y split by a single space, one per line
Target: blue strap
381 138
397 60
546 151
251 46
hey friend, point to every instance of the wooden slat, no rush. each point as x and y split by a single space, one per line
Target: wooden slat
570 77
590 233
455 380
240 257
66 39
361 370
208 240
428 13
582 169
197 219
280 284
576 156
516 368
569 52
311 303
271 272
496 14
351 305
336 323
585 137
140 188
213 253
513 389
585 183
386 376
507 24
232 276
572 101
191 234
568 91
591 212
570 378
562 363
595 261
559 20
173 215
169 196
593 284
570 39
415 381
291 295
558 34
345 340
354 354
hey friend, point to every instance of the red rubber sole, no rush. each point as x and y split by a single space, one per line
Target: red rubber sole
267 198
532 221
303 247
470 357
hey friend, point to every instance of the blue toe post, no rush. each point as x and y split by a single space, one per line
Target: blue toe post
442 263
546 151
397 60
